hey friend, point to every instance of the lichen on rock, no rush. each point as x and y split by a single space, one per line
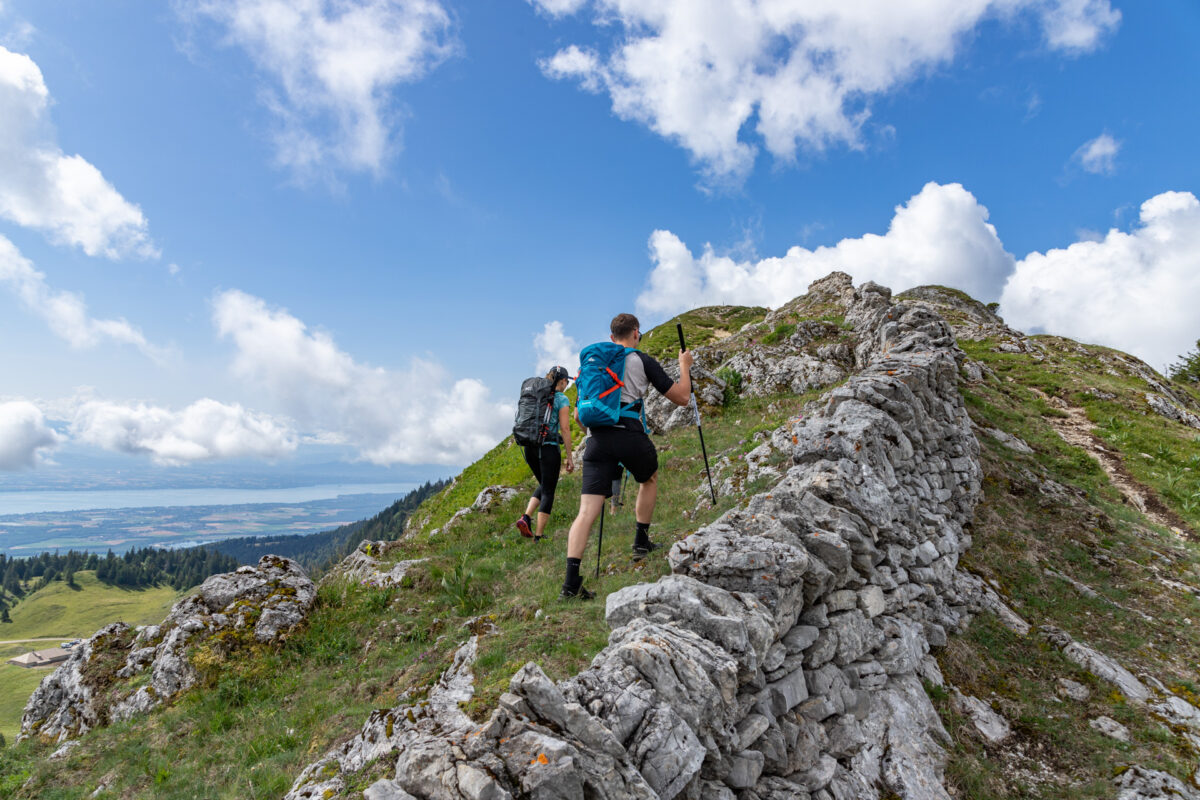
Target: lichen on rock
104 680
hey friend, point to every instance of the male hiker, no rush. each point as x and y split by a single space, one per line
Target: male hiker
624 442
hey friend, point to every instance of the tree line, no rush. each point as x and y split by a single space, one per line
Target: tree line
137 568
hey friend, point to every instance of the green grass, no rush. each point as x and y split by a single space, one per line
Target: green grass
701 326
16 684
59 610
265 715
1091 536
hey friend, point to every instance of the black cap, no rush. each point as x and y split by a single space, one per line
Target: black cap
560 373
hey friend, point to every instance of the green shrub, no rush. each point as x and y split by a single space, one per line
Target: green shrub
782 331
733 384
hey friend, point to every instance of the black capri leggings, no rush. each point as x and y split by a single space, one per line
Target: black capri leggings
545 463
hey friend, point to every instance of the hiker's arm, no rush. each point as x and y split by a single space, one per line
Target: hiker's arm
564 427
680 392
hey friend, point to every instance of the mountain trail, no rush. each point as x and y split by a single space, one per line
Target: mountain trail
1077 430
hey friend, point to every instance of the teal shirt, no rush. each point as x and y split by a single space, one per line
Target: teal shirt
560 401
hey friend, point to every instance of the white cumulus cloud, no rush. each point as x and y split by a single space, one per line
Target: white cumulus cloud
555 348
24 435
1098 156
333 67
802 71
65 312
43 188
1077 26
414 416
1137 291
941 235
205 430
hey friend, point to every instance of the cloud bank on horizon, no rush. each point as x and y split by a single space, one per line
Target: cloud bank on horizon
206 430
1136 291
414 416
697 71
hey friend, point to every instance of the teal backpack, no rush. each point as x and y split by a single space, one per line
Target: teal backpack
601 378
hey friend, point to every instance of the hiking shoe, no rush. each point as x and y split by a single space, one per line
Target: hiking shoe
523 527
640 551
581 594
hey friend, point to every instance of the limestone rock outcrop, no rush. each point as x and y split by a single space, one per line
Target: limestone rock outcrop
784 657
366 566
93 687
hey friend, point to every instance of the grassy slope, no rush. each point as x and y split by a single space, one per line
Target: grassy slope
1093 537
266 715
16 684
60 611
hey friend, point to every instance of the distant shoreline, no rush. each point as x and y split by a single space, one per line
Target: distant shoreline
25 502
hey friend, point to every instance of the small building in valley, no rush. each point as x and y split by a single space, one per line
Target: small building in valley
41 658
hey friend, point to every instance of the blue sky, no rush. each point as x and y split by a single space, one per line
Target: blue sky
274 231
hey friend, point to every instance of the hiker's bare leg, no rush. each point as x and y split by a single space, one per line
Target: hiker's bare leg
542 519
590 506
532 506
647 496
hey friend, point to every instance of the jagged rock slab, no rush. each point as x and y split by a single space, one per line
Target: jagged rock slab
253 604
1139 783
1102 666
992 727
1163 407
365 566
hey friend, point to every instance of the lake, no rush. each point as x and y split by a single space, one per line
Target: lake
36 502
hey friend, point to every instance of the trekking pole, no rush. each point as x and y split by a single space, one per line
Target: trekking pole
699 429
600 541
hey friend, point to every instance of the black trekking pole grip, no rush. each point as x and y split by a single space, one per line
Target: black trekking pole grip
679 328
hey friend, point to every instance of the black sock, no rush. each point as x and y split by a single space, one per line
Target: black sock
528 519
573 581
642 537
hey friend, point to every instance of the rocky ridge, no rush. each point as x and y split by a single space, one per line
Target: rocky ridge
785 655
653 715
98 684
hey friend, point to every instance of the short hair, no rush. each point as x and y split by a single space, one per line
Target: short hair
623 325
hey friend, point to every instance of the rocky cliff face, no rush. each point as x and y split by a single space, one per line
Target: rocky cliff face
784 658
98 684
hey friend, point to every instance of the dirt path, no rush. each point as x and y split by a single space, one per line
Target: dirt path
44 639
1076 429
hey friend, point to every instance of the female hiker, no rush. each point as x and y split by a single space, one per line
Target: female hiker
545 461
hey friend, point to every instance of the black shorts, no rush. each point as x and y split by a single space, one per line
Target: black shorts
610 449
